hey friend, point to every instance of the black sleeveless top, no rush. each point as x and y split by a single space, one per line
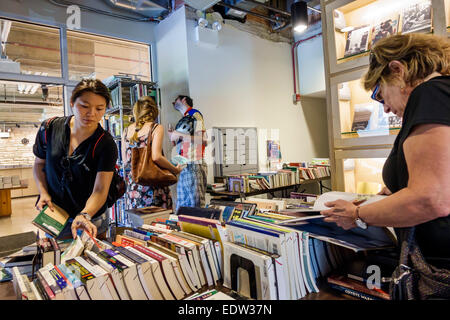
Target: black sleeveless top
428 103
71 179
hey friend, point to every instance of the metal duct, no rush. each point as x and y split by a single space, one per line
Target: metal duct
145 8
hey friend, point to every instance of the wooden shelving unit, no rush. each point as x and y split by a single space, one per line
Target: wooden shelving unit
369 145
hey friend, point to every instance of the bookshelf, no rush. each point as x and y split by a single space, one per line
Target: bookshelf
235 195
357 127
125 92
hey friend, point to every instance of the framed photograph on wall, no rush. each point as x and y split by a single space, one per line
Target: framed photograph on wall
384 29
417 17
357 41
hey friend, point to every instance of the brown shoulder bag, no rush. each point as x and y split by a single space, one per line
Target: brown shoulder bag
145 171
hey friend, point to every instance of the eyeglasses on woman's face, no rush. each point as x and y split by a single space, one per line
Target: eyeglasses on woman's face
376 94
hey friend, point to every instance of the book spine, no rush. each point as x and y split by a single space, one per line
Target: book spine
136 235
45 285
354 293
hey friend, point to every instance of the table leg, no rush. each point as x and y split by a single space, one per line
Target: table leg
5 202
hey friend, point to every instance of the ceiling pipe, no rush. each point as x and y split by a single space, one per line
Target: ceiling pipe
268 7
248 12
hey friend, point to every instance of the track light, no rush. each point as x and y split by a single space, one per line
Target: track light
299 16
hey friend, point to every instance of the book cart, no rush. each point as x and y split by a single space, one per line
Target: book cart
360 134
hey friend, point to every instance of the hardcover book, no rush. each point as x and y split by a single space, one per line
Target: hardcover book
51 222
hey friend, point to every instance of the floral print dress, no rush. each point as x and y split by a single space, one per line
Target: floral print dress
138 196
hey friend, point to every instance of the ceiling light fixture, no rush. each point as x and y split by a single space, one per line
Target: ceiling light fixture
299 16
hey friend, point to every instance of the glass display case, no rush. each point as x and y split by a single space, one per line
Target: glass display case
358 120
353 27
360 171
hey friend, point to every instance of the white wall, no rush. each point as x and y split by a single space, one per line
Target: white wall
171 62
311 74
247 81
310 62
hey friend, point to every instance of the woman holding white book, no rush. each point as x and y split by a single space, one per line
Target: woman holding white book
410 75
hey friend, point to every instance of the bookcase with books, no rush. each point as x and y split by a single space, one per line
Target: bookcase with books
125 92
357 122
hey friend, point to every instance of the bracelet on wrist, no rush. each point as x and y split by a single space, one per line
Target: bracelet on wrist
85 215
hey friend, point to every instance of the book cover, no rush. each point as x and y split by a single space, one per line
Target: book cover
356 288
357 41
51 222
268 240
249 272
417 17
384 29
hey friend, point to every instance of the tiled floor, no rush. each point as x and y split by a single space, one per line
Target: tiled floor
23 212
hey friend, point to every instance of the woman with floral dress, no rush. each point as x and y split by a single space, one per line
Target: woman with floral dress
145 112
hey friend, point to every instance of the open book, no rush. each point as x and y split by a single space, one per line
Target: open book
301 214
51 222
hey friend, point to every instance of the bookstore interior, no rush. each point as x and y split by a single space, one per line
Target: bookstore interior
276 156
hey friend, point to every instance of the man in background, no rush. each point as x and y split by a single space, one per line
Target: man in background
189 138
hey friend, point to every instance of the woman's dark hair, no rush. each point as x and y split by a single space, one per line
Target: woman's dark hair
188 100
91 85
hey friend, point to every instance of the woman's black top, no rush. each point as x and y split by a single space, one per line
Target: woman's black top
428 103
71 179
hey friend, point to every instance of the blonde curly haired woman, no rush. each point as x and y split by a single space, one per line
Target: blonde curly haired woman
410 75
145 113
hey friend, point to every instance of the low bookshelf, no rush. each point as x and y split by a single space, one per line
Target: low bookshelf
235 195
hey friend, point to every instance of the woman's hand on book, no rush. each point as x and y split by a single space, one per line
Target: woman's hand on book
80 222
385 192
44 199
342 213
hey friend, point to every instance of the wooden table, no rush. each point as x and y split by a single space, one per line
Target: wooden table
5 200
